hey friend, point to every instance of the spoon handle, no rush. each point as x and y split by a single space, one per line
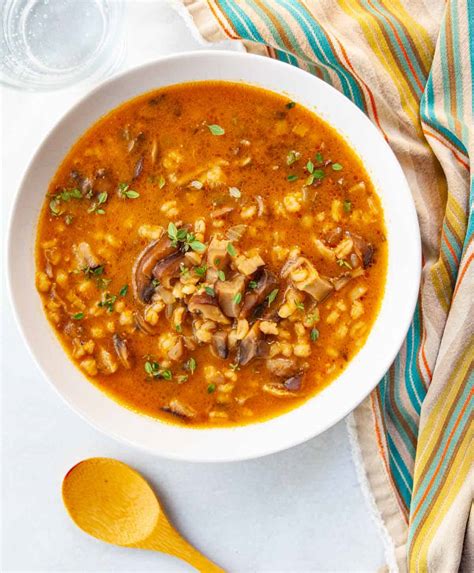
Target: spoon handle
167 540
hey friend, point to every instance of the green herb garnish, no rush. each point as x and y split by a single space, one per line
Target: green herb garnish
210 291
299 305
178 328
190 365
237 298
211 388
123 291
96 274
314 176
152 368
200 271
253 284
290 105
125 192
336 166
314 334
78 316
101 199
221 275
347 206
292 178
344 263
108 302
68 219
161 182
188 240
93 271
67 194
102 282
319 158
54 207
272 296
166 374
231 249
216 129
311 318
64 195
310 166
292 157
195 244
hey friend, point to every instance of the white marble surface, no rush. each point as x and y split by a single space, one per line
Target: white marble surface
300 510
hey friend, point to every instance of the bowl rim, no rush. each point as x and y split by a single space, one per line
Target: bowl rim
223 456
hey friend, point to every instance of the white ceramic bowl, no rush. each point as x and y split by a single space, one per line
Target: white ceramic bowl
327 407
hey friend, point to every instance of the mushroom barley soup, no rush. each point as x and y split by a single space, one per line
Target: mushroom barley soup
211 253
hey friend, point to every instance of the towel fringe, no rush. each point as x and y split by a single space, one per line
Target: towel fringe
389 547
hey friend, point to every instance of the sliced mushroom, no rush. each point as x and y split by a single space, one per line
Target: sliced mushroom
279 391
122 351
222 212
103 182
230 294
168 269
263 348
52 256
137 170
84 183
207 305
219 344
249 346
211 275
294 382
364 250
154 150
313 283
282 367
177 408
105 361
236 232
85 257
340 282
217 251
266 282
319 288
144 264
261 205
143 325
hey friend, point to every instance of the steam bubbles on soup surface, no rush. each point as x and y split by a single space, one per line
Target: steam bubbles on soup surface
211 254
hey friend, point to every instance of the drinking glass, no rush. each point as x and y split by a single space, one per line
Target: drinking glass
50 44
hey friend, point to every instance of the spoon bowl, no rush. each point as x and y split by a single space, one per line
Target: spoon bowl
109 500
112 502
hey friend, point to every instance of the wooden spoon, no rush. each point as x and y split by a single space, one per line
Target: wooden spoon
109 500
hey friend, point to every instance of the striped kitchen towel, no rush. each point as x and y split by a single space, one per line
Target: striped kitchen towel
409 65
